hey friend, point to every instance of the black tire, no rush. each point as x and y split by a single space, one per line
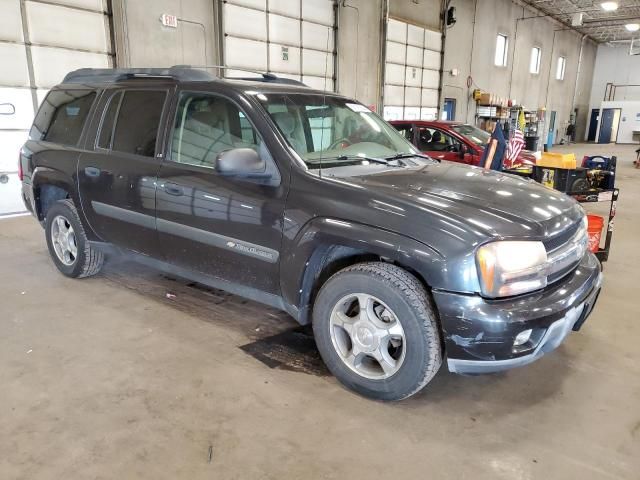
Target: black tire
412 307
88 260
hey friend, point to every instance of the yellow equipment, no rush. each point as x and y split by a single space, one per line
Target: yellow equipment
558 160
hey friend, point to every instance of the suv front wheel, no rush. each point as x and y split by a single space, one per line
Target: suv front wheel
68 245
376 330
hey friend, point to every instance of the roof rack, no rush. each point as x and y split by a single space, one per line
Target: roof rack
266 77
93 75
177 72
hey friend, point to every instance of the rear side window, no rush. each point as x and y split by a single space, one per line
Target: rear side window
108 121
138 120
62 116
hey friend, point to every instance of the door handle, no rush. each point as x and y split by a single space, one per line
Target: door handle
92 172
173 189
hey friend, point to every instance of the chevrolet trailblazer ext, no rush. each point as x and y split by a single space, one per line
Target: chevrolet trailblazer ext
309 202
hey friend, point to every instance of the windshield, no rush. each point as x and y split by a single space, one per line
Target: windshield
326 130
477 136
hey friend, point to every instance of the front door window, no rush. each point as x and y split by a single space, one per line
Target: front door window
207 125
440 145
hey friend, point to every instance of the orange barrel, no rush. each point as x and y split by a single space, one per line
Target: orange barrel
594 230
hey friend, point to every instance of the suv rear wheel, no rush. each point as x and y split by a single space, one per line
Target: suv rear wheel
376 331
68 245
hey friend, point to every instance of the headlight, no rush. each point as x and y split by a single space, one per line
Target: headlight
511 267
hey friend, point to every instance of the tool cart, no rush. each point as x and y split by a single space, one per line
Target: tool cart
593 182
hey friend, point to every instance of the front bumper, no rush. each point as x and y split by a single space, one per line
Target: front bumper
480 334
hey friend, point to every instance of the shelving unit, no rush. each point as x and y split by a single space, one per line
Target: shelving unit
488 115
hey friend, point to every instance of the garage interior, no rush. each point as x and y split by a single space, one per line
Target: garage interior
138 374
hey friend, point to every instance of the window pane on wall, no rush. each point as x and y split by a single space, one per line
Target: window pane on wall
560 69
393 112
534 64
428 113
412 113
501 50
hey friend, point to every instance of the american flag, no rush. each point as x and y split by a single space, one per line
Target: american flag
514 147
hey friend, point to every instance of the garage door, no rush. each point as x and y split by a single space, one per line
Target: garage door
291 38
412 72
40 41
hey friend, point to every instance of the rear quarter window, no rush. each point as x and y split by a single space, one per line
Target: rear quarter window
62 116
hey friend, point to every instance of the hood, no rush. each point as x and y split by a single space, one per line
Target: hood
480 202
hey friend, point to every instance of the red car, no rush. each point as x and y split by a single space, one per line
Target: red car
453 141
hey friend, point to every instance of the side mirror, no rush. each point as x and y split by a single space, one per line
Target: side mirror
463 151
240 161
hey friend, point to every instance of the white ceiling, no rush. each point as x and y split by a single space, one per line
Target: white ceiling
600 25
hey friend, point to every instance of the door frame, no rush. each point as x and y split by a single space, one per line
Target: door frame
452 102
593 124
612 138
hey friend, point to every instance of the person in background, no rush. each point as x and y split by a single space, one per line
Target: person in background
571 133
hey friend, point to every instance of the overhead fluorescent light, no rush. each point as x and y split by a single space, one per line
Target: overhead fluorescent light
609 6
632 27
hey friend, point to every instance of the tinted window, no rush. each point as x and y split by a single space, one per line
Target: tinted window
106 129
62 116
138 121
207 125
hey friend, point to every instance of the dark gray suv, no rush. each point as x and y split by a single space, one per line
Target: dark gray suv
309 202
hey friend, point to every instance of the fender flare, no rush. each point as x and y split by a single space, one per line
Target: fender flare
323 239
50 176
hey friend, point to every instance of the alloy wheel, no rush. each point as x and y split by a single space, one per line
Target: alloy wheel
367 336
64 240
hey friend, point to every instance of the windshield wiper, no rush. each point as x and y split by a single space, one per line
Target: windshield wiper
399 156
382 161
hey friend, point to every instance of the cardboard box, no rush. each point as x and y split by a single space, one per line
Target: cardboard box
485 98
489 125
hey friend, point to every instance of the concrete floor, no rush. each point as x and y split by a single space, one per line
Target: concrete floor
109 378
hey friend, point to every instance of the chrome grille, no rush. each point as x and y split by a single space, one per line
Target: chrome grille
565 258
